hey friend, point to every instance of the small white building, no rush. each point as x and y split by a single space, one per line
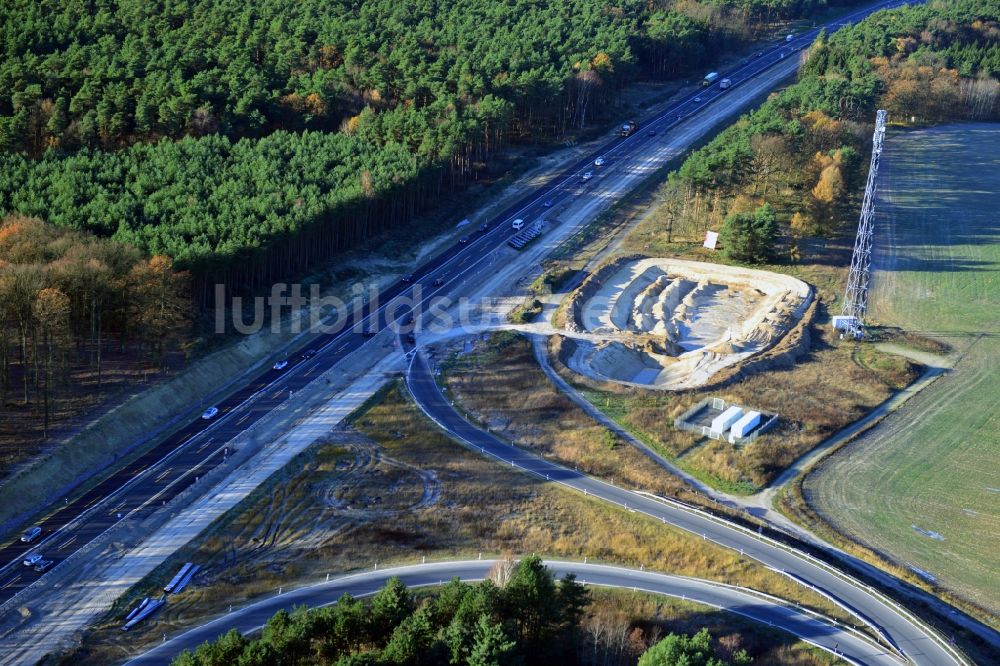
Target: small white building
743 426
727 418
842 322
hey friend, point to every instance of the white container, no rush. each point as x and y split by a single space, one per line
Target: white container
727 418
743 427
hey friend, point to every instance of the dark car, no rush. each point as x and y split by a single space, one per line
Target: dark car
438 282
547 204
407 319
43 566
411 339
484 226
463 240
408 278
309 353
369 332
31 534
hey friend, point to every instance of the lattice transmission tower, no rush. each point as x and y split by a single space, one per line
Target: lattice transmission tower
856 301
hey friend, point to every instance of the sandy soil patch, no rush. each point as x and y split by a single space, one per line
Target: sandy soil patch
672 324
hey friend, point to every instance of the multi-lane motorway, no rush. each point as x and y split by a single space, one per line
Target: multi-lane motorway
173 464
849 644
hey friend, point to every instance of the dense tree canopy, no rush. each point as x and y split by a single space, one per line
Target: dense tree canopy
682 650
803 149
249 140
528 618
63 291
749 237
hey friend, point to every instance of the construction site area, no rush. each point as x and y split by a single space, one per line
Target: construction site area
673 324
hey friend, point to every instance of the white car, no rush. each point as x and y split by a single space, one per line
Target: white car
33 559
210 413
789 38
588 176
697 99
518 224
599 161
281 365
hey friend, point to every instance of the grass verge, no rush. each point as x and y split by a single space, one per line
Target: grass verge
363 497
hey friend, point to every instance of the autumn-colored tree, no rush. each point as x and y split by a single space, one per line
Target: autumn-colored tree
771 153
159 306
51 318
830 184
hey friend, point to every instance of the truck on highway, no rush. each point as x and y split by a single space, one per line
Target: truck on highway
725 83
628 128
710 78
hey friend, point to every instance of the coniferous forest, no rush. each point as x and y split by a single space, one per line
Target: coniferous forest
248 141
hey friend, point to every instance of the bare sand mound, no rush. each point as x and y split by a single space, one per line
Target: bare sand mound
672 324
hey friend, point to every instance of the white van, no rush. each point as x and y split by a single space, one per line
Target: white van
518 224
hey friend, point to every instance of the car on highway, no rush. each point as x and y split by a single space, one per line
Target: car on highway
411 339
517 224
484 226
789 38
463 240
309 353
651 133
43 566
439 281
32 560
587 175
408 278
210 413
697 100
369 332
548 203
599 161
31 534
281 365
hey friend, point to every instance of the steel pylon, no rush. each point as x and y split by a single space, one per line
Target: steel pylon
856 300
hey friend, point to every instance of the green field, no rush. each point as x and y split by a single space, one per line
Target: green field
935 464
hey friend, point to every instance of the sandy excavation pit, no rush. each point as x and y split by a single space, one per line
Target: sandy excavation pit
672 324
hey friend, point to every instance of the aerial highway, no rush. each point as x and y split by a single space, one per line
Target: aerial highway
174 463
849 644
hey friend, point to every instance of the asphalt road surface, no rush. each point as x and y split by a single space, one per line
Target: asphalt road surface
847 643
897 627
190 452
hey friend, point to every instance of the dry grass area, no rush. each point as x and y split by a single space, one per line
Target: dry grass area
621 624
835 383
500 386
832 385
395 489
